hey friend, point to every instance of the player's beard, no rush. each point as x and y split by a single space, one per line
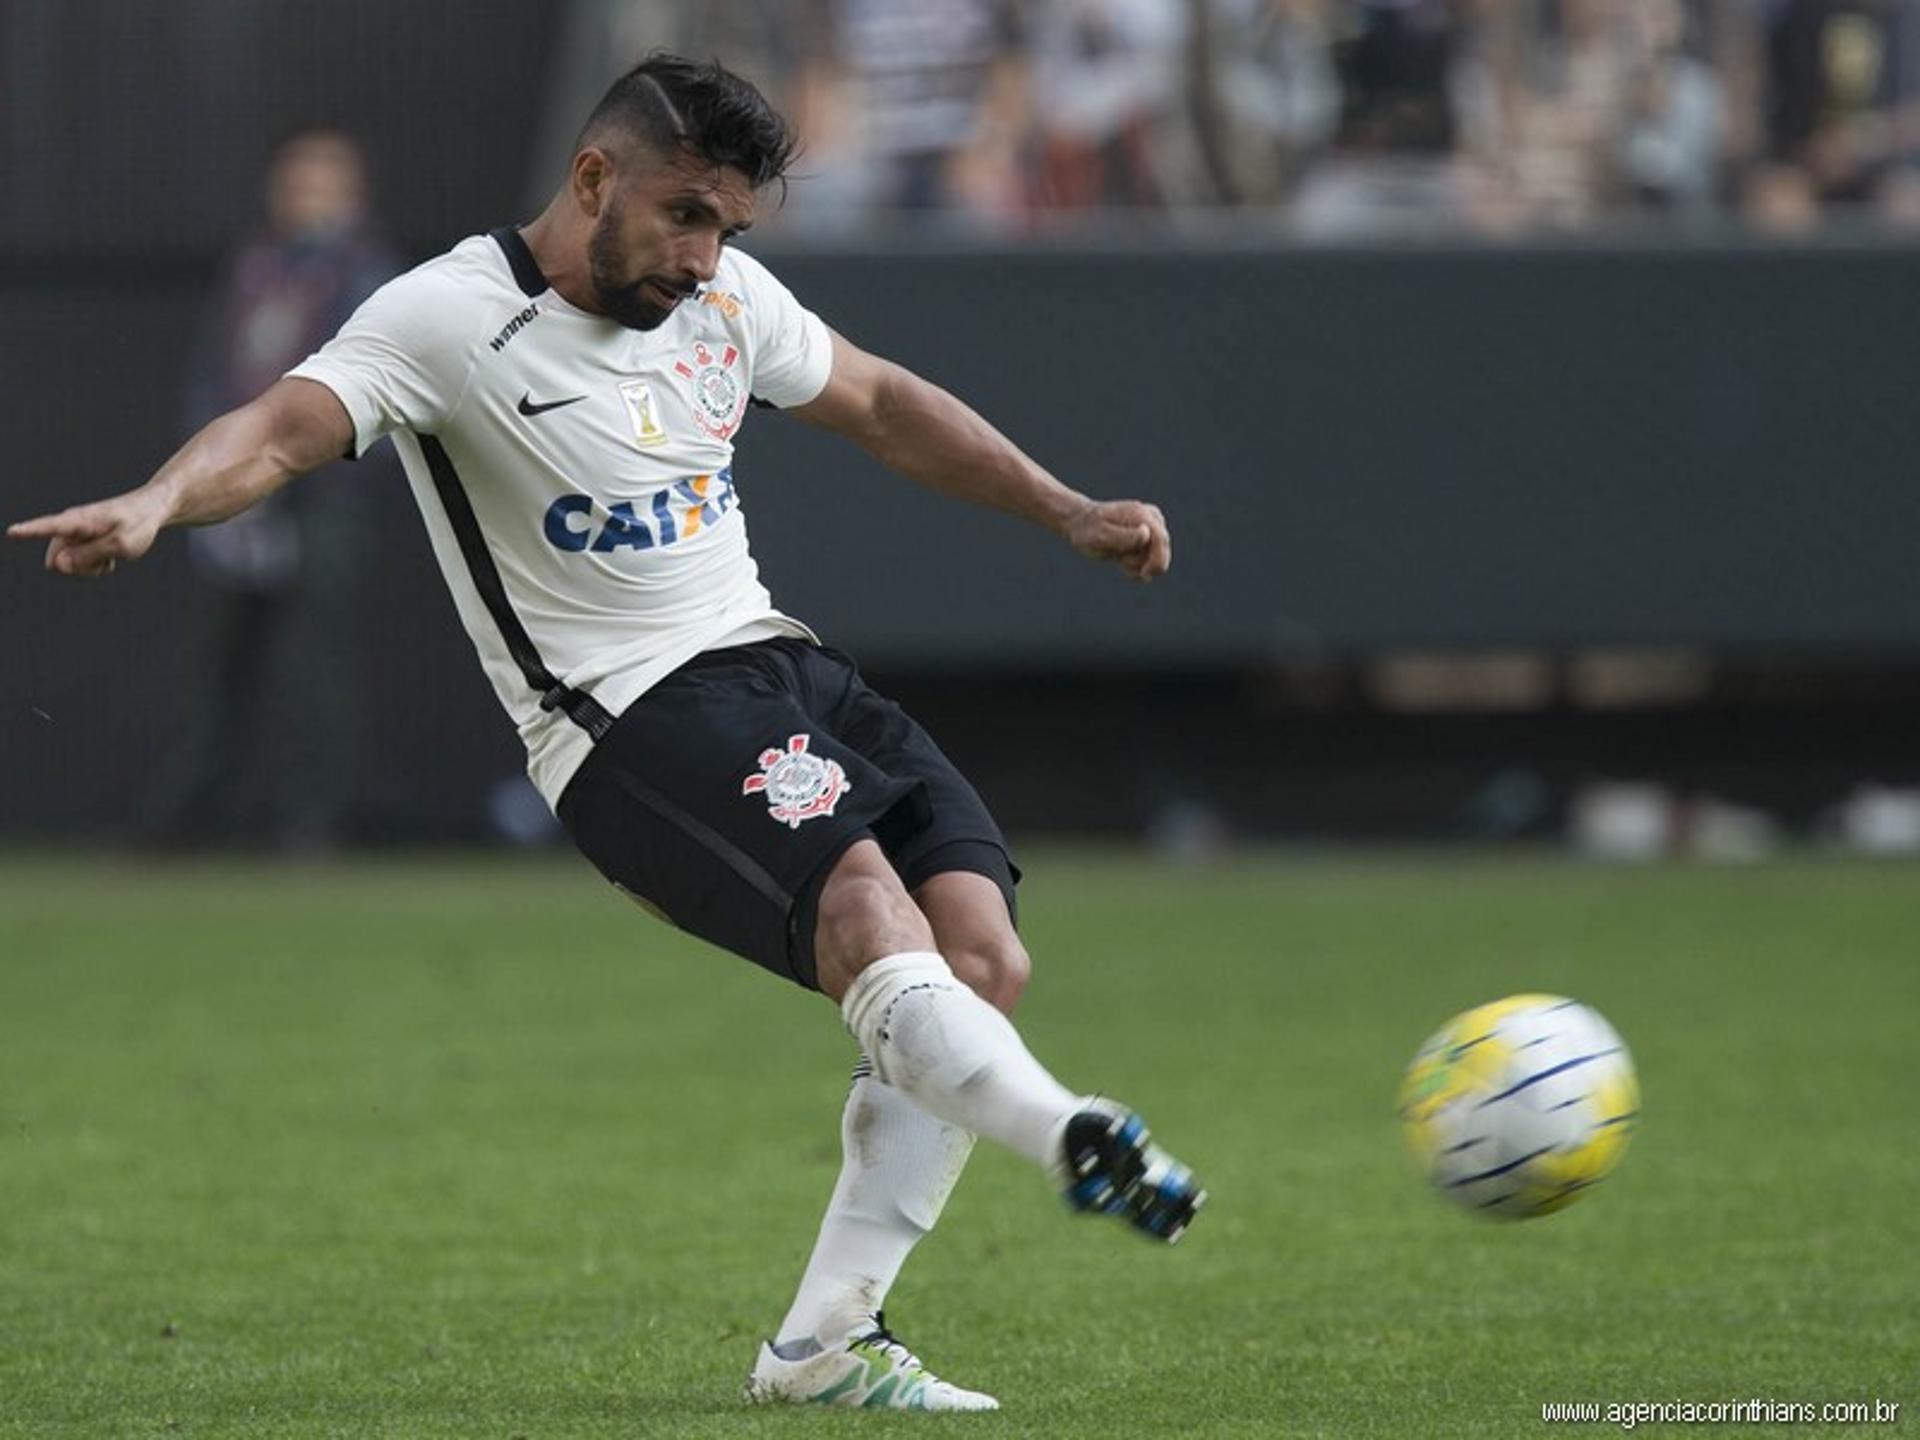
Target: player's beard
621 301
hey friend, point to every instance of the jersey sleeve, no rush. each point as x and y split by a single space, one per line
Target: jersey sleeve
792 348
402 360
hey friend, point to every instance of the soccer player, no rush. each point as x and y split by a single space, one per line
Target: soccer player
564 396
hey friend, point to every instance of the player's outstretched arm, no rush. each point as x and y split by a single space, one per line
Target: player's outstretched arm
236 461
918 430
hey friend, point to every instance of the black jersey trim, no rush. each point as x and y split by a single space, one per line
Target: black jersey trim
526 270
578 706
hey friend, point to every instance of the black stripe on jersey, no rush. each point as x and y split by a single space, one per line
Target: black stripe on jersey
526 270
576 705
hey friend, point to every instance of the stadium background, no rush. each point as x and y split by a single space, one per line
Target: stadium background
1539 461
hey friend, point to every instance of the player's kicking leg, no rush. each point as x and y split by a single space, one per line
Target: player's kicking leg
956 1056
1109 1155
946 1051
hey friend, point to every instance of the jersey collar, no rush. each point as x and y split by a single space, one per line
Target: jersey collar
526 270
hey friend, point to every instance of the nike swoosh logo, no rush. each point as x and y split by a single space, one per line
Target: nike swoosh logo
527 407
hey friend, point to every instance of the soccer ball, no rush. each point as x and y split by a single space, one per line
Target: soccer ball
1519 1107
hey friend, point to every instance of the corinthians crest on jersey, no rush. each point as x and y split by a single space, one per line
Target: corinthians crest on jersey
719 399
798 784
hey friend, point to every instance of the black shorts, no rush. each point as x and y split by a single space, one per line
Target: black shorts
721 797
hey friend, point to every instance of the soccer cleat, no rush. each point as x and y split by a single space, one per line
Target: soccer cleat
1112 1167
873 1372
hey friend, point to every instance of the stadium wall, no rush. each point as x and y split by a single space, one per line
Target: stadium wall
1361 453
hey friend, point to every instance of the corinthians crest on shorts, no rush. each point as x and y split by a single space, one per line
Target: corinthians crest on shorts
719 399
798 784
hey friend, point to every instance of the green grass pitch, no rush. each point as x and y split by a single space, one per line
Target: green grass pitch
475 1149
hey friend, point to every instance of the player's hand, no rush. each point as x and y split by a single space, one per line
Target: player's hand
1131 533
92 539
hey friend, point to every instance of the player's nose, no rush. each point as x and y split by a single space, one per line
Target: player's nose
701 260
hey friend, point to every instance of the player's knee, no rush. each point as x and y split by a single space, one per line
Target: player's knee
864 914
996 969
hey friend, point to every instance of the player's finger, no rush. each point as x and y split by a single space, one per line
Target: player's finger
1150 551
83 570
1159 549
91 557
1140 552
78 524
1120 530
60 558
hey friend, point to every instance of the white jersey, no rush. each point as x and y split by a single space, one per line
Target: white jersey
576 476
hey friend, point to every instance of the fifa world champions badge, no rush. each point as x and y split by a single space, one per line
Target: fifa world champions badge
647 429
798 784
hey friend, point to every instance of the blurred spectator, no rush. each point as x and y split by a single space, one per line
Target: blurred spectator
765 39
1561 81
273 703
1106 81
1396 64
1393 165
1266 95
1839 107
1580 108
1899 197
931 94
1671 148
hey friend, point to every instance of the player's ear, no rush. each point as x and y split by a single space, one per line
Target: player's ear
592 179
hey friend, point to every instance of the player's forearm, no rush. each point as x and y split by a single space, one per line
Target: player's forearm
920 431
242 457
218 473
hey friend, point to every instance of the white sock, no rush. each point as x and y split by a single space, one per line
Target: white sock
954 1054
898 1166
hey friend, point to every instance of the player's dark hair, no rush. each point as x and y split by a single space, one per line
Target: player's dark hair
674 105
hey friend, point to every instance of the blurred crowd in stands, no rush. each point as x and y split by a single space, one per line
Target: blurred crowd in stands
1333 119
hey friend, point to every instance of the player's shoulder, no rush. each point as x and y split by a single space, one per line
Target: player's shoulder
474 269
746 279
448 296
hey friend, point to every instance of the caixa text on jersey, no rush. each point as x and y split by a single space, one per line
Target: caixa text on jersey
676 512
